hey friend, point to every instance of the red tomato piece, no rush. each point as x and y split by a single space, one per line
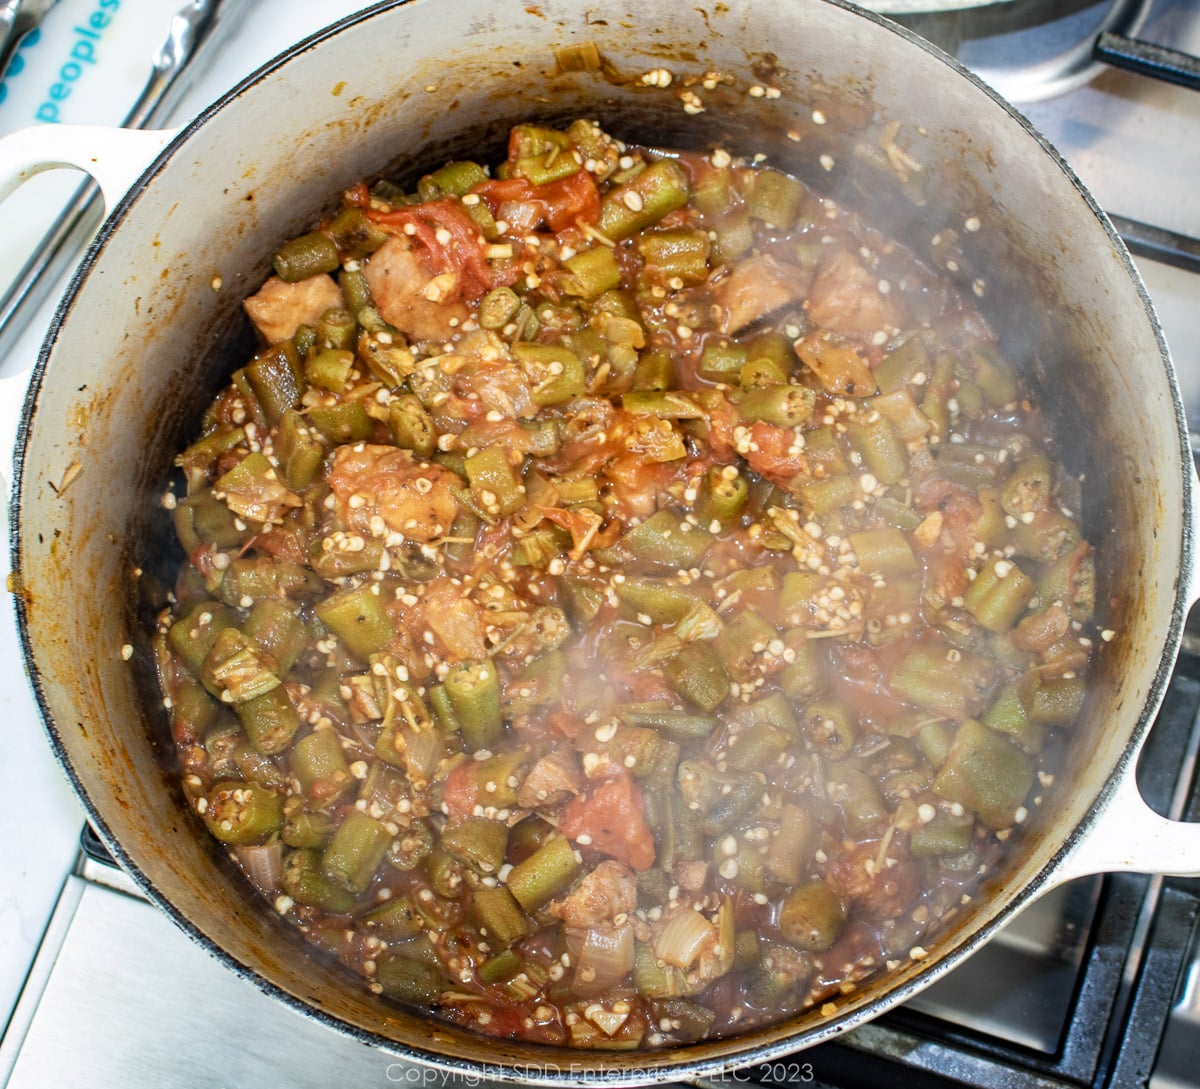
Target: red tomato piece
613 819
559 204
460 794
772 453
460 249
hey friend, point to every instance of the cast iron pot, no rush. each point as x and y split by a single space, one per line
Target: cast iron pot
152 324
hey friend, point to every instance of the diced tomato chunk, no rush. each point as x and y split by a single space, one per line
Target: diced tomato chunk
559 204
460 249
460 794
613 820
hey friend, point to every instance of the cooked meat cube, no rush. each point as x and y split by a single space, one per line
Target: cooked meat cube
279 309
418 302
599 897
756 288
847 297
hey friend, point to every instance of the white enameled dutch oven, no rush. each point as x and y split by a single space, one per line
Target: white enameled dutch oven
152 323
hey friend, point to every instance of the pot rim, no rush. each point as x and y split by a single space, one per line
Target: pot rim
642 1067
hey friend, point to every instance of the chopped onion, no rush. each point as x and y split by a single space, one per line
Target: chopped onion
263 863
604 958
684 938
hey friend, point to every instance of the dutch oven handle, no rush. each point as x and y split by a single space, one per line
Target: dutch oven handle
114 157
1125 834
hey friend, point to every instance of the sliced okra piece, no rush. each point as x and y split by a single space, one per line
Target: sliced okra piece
358 846
242 813
544 874
304 882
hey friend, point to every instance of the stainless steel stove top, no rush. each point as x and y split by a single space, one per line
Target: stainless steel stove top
96 986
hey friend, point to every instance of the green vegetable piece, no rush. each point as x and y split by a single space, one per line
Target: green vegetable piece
358 846
275 625
276 379
775 198
791 848
999 595
1048 535
243 813
783 406
676 725
493 483
395 920
411 425
986 774
347 421
883 552
661 404
308 255
502 967
498 915
318 762
355 234
667 539
883 452
238 668
724 493
455 179
358 617
1052 701
473 690
544 874
556 372
658 190
1029 485
299 451
743 641
663 600
592 272
723 362
697 674
1007 715
305 828
329 369
498 307
407 980
201 520
812 916
337 328
805 675
717 799
944 835
192 636
478 842
304 882
679 252
270 720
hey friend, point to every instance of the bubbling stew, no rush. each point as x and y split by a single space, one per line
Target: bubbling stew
628 599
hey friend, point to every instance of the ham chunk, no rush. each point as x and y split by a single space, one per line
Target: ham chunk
418 302
756 288
415 498
551 781
846 298
279 309
609 891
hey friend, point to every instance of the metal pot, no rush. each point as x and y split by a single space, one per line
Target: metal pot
152 324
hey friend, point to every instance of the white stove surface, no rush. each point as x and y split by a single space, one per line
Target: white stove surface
1132 141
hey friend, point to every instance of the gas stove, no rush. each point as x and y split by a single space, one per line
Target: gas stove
1097 984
